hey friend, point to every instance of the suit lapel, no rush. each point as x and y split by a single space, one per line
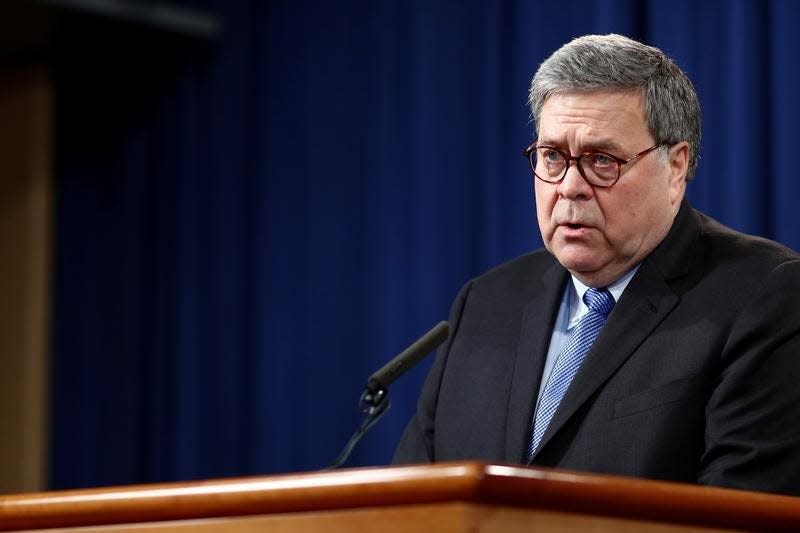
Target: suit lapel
641 309
537 325
647 300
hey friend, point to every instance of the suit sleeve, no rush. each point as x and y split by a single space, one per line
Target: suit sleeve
417 443
752 438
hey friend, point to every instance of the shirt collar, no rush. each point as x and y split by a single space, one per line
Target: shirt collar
576 306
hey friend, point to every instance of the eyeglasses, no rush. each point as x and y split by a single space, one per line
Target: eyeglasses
599 169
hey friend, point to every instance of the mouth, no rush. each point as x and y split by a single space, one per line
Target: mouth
574 225
574 230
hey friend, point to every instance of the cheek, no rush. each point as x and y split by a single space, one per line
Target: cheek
631 216
545 199
622 214
545 196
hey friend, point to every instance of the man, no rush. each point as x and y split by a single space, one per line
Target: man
647 339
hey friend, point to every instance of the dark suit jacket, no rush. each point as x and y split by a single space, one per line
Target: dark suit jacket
694 377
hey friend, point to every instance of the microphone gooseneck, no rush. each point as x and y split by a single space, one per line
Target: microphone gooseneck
374 400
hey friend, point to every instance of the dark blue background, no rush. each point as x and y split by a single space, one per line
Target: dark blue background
241 243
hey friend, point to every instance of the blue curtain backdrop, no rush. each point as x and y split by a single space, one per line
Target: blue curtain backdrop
245 234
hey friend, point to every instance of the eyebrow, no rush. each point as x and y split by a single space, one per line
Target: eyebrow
600 145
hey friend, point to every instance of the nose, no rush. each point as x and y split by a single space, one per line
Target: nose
574 186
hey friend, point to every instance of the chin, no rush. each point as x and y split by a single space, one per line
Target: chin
582 270
581 260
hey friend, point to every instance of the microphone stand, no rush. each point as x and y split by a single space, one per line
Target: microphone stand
374 404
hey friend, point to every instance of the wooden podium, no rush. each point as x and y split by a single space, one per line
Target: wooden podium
446 497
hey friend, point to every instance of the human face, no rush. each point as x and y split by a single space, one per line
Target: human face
598 234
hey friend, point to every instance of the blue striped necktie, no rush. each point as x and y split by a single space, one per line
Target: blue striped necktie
600 303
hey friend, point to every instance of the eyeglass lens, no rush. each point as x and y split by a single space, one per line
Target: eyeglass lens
596 167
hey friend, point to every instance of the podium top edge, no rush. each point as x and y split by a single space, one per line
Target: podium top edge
471 482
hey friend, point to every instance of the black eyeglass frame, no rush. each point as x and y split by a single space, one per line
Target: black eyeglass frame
577 158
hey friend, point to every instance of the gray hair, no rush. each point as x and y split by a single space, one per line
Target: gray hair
597 62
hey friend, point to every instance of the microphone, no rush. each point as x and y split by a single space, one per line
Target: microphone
374 400
409 357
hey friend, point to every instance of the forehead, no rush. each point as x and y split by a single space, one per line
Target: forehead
590 116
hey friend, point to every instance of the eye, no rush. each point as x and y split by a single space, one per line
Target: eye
550 156
600 160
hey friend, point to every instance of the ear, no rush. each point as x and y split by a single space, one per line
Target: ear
678 167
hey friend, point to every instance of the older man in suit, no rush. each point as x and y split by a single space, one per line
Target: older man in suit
647 339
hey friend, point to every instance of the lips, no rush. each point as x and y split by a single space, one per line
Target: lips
572 219
573 229
573 225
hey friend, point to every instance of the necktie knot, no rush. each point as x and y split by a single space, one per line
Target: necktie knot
600 301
